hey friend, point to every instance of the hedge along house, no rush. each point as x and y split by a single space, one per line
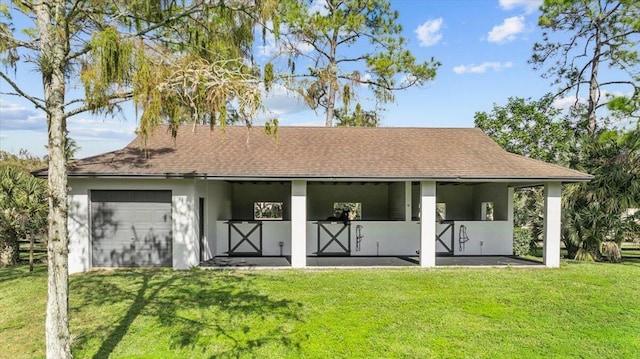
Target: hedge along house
209 194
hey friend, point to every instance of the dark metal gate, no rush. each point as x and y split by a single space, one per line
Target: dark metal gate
245 238
334 239
447 246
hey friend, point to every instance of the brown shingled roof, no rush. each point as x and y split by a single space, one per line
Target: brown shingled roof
322 153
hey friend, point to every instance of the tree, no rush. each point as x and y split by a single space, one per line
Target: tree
532 128
596 211
589 34
23 203
24 161
178 61
358 118
321 65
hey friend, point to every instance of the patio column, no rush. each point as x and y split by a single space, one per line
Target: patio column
552 217
428 224
298 224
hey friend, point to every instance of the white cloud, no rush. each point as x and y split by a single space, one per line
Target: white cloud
407 79
320 7
367 77
15 117
429 33
280 101
565 103
529 6
507 31
482 68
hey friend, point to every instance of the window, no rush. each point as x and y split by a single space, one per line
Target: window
267 210
354 208
486 213
441 212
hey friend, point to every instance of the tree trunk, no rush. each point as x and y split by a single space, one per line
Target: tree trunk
54 47
9 251
57 324
333 79
331 104
594 87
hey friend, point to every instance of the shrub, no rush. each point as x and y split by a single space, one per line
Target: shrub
611 251
522 237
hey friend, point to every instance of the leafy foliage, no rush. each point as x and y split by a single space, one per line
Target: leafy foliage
521 241
320 67
596 211
532 128
23 203
358 118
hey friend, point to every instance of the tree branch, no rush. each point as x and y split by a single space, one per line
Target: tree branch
37 102
114 99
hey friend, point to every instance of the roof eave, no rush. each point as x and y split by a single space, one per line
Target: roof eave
350 178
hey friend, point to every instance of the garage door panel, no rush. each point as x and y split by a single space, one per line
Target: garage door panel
131 233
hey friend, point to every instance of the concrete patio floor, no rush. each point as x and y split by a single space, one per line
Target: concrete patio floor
374 261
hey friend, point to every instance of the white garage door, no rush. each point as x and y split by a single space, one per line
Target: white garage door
131 228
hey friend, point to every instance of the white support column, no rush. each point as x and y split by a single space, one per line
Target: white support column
428 224
552 217
298 224
408 212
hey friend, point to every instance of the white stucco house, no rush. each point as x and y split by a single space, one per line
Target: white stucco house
206 194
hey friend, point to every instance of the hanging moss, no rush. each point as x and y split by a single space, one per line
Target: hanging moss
268 76
109 67
112 55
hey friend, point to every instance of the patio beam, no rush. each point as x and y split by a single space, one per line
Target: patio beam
427 223
298 224
552 217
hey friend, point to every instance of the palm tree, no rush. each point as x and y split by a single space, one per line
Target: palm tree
23 209
595 211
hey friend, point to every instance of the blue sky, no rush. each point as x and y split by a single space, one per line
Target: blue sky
483 46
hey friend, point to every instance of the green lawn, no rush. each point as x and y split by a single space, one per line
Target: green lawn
582 310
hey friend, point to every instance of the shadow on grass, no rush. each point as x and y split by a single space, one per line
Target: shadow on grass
21 270
219 314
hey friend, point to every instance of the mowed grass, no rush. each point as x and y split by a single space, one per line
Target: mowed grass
582 310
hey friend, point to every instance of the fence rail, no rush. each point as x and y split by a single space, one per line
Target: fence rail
35 254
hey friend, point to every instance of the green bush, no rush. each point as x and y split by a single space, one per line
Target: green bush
522 237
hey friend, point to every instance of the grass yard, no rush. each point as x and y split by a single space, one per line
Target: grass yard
582 310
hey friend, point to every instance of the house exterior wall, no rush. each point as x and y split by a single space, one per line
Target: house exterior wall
219 200
184 219
381 236
485 238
